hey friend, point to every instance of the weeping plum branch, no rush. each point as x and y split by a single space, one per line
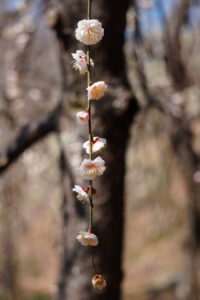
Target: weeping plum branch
89 32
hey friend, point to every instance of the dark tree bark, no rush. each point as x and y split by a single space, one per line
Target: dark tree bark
113 117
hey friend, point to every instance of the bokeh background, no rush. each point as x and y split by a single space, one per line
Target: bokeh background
151 61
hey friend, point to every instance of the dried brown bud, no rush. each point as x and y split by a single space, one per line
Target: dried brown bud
98 281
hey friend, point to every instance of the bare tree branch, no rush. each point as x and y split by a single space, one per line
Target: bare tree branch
174 60
28 135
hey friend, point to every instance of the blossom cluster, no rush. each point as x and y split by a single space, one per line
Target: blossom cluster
89 32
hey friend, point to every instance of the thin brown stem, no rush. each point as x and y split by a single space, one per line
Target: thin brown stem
90 121
89 9
90 135
93 261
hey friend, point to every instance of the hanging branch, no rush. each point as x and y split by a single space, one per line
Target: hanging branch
89 32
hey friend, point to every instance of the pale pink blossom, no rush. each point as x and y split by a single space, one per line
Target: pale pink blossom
89 169
81 61
89 32
97 90
98 281
83 116
82 193
87 238
98 144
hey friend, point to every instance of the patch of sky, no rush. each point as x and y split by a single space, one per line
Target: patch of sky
151 18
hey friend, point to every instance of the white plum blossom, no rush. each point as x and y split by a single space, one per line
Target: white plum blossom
82 194
98 144
83 116
98 281
89 32
87 238
89 169
96 90
81 61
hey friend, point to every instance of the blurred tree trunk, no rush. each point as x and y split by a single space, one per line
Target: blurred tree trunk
175 63
112 120
181 138
8 278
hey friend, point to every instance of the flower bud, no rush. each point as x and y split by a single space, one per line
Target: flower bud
98 281
83 116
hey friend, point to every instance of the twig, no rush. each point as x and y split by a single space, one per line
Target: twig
28 135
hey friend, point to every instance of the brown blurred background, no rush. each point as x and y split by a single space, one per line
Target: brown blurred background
147 208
